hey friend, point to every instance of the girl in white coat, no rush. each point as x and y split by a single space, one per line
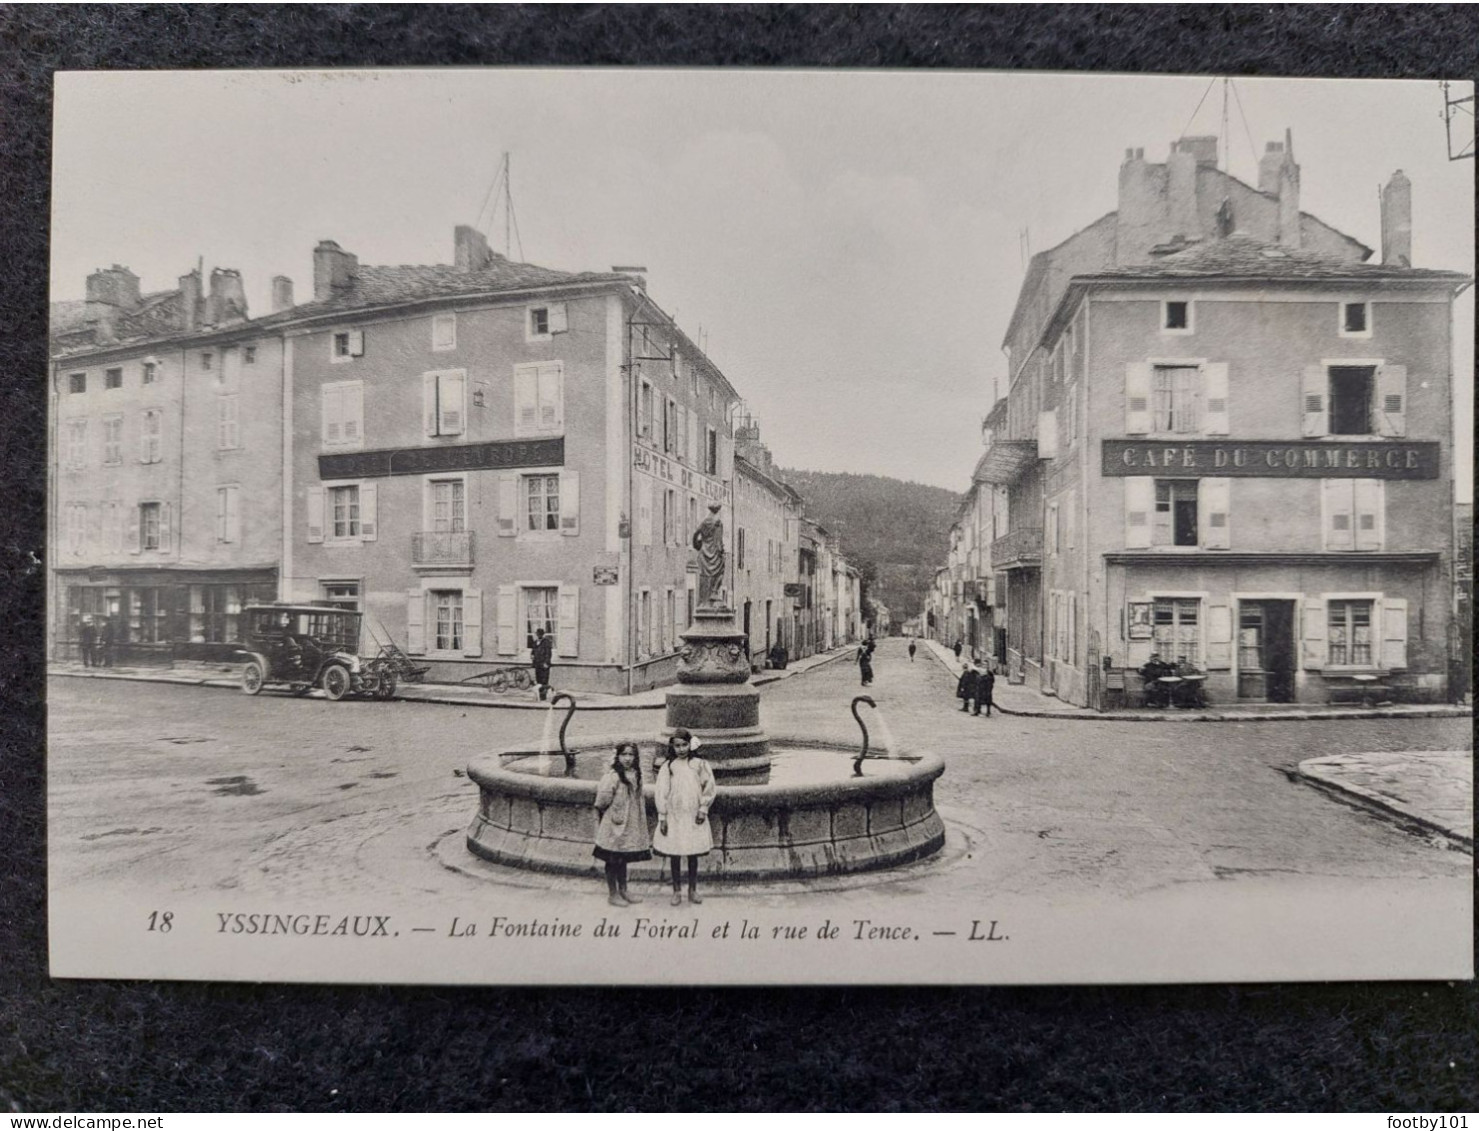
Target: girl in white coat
685 790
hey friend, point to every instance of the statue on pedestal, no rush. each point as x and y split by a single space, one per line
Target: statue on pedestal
708 540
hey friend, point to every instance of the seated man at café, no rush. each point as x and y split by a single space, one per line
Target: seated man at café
1157 694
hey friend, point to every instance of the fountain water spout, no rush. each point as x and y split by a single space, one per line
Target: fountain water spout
565 696
857 763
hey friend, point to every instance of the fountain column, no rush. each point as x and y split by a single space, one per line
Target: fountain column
714 699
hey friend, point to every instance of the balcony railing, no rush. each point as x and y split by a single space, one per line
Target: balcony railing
1019 548
442 547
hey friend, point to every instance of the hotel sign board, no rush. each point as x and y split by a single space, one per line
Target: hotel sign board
1272 459
495 455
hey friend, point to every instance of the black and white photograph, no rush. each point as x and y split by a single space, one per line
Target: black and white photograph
565 526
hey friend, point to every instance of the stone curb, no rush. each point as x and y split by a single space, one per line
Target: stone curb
1373 800
1436 711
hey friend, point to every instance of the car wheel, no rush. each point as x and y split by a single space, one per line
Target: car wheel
335 681
252 678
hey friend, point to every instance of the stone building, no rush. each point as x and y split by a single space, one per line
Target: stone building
1228 441
767 514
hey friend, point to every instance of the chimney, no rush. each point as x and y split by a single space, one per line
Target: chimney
1181 191
116 286
1396 221
1289 195
334 269
1204 149
228 296
282 293
1141 210
1269 167
471 249
190 301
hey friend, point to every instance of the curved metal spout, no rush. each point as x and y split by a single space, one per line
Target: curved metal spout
857 763
565 723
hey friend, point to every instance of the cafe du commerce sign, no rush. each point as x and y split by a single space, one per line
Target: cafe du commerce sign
1273 459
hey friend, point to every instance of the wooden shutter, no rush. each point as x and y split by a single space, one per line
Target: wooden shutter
1368 518
726 457
233 515
166 527
472 622
415 621
356 343
1214 506
452 404
1312 637
352 413
1313 391
1137 398
658 403
508 505
136 530
570 503
508 611
695 434
429 403
1215 418
369 506
567 636
1139 507
559 321
1047 434
526 400
1393 632
315 502
329 414
144 438
644 511
1391 400
1339 514
551 397
1219 636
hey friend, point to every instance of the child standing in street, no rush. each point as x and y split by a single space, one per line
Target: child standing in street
621 834
685 790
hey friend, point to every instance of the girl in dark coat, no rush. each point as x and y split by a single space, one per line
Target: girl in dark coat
621 833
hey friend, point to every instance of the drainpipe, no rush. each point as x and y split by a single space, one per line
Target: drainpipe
628 551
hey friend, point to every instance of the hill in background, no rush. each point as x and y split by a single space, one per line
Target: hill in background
902 529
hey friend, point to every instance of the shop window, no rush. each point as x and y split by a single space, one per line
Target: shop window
341 594
1349 633
1176 629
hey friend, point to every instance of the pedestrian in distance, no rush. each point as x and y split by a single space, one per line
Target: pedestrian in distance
911 651
540 655
684 791
966 689
865 664
104 654
958 647
87 641
622 835
985 687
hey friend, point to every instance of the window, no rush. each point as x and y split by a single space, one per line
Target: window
711 452
448 506
228 428
1176 316
670 426
539 399
539 322
150 438
215 613
1174 403
1349 632
112 440
346 344
1050 527
112 528
542 502
692 514
77 383
446 610
739 547
672 619
76 526
543 322
444 332
541 606
149 526
1175 513
249 355
344 514
341 594
1176 634
1355 320
1354 513
228 514
151 372
342 414
669 517
444 398
77 443
1070 417
207 360
644 409
113 378
644 624
1351 388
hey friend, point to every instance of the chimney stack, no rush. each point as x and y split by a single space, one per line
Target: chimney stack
1269 167
116 286
1141 212
282 293
334 269
1289 195
190 301
228 297
1181 190
1396 221
471 249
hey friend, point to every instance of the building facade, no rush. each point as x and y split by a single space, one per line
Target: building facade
767 513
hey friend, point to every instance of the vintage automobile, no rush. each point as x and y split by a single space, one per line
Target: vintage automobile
308 646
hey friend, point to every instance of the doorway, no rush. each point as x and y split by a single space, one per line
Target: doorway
1266 651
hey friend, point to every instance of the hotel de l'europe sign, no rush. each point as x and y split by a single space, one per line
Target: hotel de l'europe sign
1272 459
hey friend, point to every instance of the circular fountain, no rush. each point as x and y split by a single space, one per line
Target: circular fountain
785 807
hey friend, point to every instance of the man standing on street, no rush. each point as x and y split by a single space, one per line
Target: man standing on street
541 655
87 640
105 643
985 685
911 651
967 689
958 647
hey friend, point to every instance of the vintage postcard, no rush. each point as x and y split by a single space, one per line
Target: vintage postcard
618 526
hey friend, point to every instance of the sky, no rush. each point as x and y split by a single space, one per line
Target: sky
848 245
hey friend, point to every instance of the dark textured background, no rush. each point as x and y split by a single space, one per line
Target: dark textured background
149 1046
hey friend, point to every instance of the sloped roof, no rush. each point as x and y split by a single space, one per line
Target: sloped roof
1242 256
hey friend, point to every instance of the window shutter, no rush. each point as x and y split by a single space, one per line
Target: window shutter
695 452
570 503
472 622
1313 635
315 501
1369 513
1139 505
429 402
567 636
144 422
166 528
415 621
1137 398
1391 400
1339 517
136 530
1047 434
508 505
1394 632
551 394
356 343
1215 416
330 415
1312 401
1215 508
559 321
352 413
526 400
726 457
1219 636
369 506
508 608
451 402
657 417
233 515
644 511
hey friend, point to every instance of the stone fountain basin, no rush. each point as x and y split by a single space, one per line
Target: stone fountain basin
813 818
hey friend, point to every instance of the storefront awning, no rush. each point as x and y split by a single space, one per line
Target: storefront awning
1005 461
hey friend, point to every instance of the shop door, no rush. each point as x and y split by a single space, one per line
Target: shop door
1266 651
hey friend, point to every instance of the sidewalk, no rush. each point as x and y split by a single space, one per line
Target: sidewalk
1015 699
1432 788
452 694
